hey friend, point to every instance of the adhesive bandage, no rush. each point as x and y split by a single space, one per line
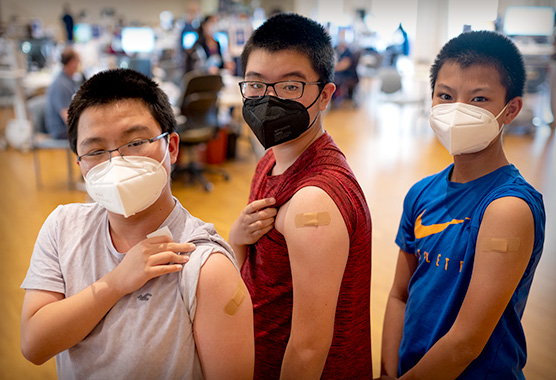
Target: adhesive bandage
312 219
502 244
233 305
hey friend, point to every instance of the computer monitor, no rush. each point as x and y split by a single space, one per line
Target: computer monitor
529 21
223 40
140 64
143 65
82 32
188 39
137 40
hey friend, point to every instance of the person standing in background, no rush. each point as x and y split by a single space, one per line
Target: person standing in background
67 19
210 51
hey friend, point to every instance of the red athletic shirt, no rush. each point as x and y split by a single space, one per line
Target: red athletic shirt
267 271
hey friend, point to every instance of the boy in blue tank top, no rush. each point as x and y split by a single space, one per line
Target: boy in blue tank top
471 236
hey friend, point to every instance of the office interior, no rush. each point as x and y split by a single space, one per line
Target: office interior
381 124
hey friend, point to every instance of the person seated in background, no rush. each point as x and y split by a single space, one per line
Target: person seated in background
345 70
59 95
132 285
470 236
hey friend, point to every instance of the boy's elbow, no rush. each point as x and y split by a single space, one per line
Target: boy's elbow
313 350
32 356
32 352
467 349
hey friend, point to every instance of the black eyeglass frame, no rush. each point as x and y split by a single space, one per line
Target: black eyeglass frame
110 151
242 83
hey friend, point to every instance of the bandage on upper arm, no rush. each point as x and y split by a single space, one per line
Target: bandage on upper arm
502 244
233 305
312 219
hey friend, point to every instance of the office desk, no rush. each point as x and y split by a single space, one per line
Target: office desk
230 96
37 82
231 101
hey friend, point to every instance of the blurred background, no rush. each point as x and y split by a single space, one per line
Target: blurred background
378 117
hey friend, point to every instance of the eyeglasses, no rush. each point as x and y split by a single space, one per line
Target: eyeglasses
133 148
288 89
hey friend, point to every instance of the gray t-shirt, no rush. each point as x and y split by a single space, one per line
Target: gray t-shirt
148 334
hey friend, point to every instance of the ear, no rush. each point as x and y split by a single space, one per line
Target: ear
514 106
173 146
326 95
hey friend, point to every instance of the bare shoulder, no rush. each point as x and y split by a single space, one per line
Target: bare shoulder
308 202
510 212
218 269
311 196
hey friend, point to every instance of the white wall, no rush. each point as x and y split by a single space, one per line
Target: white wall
431 30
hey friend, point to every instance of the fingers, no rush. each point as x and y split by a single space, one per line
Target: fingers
264 231
163 243
261 224
166 258
161 251
259 204
256 219
180 247
159 262
164 253
267 213
259 211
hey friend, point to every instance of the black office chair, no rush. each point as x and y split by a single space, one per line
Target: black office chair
198 104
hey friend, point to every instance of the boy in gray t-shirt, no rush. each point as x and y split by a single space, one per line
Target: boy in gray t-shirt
132 285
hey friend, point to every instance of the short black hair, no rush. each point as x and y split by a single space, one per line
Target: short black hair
111 86
290 31
485 48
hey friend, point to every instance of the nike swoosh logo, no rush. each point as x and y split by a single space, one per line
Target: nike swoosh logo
422 230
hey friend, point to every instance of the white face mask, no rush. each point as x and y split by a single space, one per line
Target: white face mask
464 128
127 185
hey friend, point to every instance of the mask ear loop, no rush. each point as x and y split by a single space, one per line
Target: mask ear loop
167 139
501 112
496 118
318 112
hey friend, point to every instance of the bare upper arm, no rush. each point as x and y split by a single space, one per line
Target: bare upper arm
496 271
222 333
318 257
405 267
218 281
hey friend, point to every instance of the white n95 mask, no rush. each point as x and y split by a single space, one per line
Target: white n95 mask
127 185
464 128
